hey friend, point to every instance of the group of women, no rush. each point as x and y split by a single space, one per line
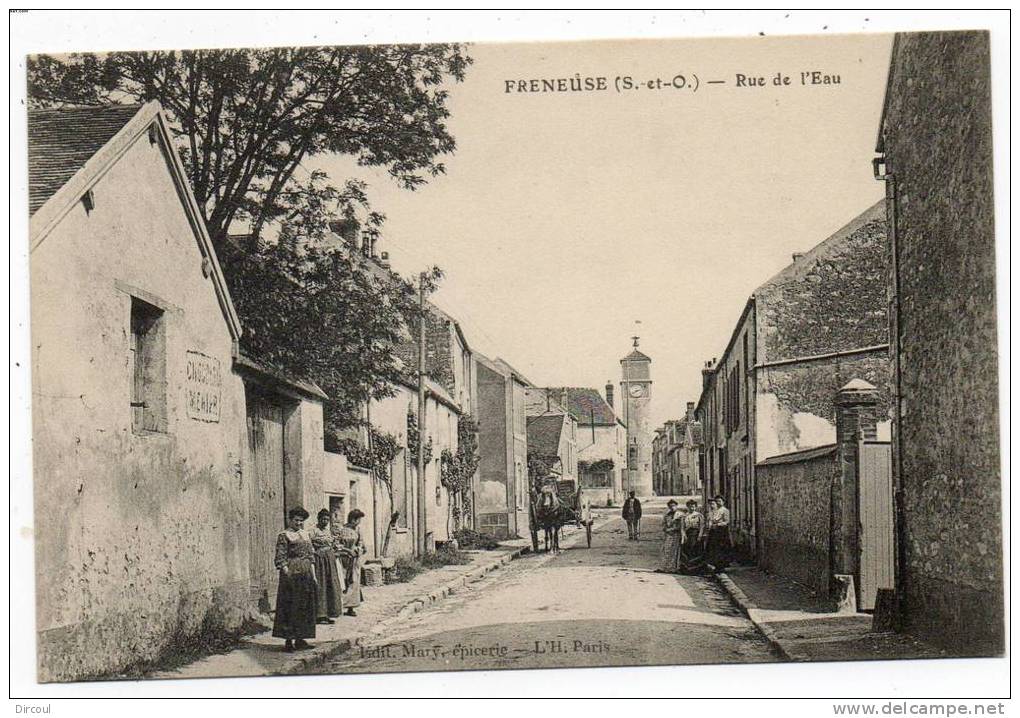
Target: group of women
693 544
320 574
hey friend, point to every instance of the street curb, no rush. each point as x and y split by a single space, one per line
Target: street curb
753 613
324 652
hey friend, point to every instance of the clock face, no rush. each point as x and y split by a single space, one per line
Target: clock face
636 390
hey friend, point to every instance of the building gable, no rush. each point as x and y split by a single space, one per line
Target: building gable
58 152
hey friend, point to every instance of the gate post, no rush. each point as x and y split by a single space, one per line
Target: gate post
856 420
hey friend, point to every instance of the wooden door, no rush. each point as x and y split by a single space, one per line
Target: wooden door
875 508
268 500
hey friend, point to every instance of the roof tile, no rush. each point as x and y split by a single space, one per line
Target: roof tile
61 141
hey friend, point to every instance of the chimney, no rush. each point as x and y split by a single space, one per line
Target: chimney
564 399
797 256
706 373
609 394
690 409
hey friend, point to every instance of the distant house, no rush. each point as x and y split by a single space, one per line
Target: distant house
803 334
161 472
601 441
501 489
674 466
552 438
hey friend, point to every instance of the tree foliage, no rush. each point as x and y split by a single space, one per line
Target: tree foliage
245 119
600 466
324 313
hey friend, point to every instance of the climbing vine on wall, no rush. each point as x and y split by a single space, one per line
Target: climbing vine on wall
457 469
378 458
414 440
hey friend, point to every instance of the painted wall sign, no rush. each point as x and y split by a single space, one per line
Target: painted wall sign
202 387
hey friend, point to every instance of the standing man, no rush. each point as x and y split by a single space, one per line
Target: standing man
632 515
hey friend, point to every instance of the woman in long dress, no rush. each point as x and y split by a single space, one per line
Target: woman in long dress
330 602
296 597
349 547
671 539
692 550
718 545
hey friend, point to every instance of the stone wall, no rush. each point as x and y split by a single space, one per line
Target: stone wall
794 514
832 299
794 402
142 537
937 139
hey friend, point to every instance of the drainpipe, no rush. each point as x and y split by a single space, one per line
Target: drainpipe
882 173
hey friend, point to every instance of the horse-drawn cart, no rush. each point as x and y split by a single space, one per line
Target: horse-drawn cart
556 504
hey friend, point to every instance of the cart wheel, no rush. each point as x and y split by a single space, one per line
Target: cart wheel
587 530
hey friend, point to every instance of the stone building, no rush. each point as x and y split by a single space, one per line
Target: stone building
635 405
161 472
801 336
433 517
827 512
675 456
666 455
601 442
451 396
552 433
693 444
501 489
935 155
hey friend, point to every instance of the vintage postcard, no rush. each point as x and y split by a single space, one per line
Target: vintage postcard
470 356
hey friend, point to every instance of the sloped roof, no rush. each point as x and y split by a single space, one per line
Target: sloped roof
584 403
513 371
544 434
802 455
61 141
82 161
538 401
804 263
636 356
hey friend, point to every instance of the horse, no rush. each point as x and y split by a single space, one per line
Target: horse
552 518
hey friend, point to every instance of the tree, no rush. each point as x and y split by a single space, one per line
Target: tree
246 119
322 314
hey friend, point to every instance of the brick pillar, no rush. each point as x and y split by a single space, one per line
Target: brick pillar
857 406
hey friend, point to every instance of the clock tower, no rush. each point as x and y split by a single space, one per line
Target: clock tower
636 392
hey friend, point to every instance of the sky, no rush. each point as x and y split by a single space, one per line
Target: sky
565 218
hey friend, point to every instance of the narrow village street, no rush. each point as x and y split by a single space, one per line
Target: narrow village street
603 606
283 415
